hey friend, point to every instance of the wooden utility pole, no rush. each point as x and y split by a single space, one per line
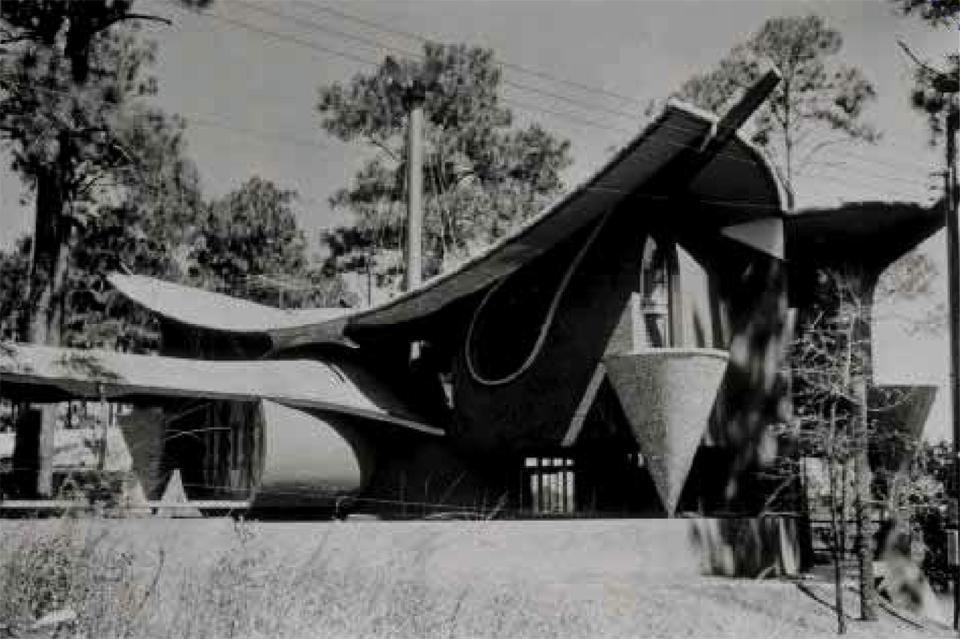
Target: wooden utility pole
953 290
863 509
414 98
948 84
413 93
951 85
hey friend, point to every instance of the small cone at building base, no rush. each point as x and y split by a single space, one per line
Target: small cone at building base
133 501
667 395
174 502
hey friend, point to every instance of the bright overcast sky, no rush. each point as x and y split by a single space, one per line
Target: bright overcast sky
248 92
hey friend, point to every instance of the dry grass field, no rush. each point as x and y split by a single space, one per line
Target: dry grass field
216 578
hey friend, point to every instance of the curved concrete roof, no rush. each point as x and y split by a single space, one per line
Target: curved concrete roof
872 234
39 372
215 311
735 186
738 184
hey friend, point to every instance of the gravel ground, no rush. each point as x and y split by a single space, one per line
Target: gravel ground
452 579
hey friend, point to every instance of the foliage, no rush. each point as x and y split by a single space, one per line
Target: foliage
44 22
816 104
827 359
909 280
45 119
910 277
112 182
14 270
933 88
77 22
74 575
936 12
115 188
143 222
831 371
249 245
482 174
925 480
66 137
924 498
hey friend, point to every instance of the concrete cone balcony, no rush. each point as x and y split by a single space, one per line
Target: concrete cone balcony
667 395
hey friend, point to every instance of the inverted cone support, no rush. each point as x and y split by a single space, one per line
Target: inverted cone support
667 395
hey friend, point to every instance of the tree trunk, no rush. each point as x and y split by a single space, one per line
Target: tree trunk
788 146
861 467
864 521
45 295
836 524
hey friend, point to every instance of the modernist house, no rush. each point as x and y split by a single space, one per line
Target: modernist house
620 354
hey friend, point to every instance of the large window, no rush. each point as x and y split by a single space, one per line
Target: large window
657 298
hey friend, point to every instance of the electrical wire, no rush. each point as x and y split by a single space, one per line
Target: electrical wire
204 120
896 161
505 64
518 104
377 46
207 121
289 139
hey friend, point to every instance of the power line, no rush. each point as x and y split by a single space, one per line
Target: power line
289 38
897 164
310 44
509 65
503 63
377 45
292 139
260 133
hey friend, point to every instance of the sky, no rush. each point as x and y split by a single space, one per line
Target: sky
245 75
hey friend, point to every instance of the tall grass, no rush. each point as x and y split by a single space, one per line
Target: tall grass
219 579
244 588
69 570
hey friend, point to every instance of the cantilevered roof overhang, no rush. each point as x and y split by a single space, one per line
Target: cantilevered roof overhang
213 311
736 185
43 373
871 235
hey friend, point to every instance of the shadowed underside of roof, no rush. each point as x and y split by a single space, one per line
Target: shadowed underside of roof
873 234
42 372
736 186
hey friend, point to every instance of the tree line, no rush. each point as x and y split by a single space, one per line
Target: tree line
114 186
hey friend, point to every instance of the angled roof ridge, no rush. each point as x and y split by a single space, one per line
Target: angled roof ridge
585 184
628 168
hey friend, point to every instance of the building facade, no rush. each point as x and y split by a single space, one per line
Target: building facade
622 354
